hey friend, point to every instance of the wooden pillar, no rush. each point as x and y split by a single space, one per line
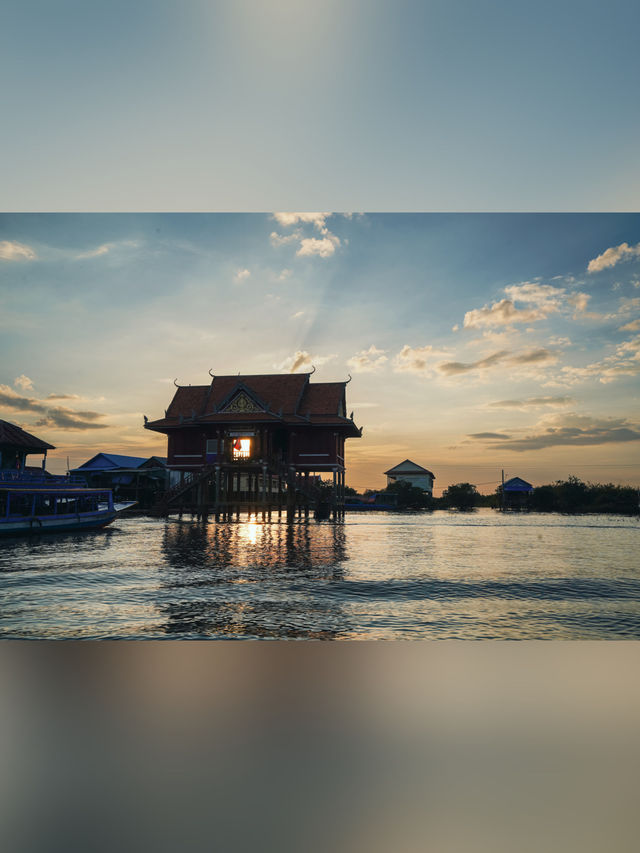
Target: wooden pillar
291 493
334 493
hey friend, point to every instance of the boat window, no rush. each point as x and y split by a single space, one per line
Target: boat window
44 505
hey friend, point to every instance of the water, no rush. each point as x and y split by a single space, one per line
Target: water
481 575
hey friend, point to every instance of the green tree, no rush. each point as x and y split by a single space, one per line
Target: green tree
409 496
460 496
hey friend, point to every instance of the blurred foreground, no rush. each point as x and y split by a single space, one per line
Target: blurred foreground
304 747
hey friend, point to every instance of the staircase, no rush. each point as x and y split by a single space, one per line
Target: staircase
163 502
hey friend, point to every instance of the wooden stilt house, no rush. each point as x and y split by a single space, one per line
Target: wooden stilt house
260 441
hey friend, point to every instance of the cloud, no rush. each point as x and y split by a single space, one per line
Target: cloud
241 275
501 313
579 301
23 382
70 396
11 251
633 326
297 315
417 359
531 403
610 257
58 416
625 361
540 301
289 219
282 239
488 435
324 247
63 418
452 368
368 360
105 248
303 359
572 430
284 275
536 356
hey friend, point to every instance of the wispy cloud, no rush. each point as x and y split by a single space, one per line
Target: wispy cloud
538 356
302 359
368 360
531 403
57 416
62 418
539 301
12 251
624 361
420 360
283 239
241 275
488 435
568 430
105 249
612 256
23 382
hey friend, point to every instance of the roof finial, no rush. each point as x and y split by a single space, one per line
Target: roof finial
349 379
211 374
175 382
313 369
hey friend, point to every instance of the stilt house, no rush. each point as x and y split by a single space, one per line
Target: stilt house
253 437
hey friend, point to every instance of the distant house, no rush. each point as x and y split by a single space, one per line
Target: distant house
516 493
131 477
16 444
409 472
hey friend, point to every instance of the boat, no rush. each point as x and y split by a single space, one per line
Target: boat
31 505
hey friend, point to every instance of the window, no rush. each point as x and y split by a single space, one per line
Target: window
241 448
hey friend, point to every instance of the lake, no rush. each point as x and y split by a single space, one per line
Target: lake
440 575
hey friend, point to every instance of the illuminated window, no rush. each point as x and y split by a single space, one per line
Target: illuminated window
242 448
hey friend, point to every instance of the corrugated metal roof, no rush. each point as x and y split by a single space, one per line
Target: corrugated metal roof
517 484
111 461
409 467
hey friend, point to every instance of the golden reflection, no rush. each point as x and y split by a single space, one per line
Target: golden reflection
249 530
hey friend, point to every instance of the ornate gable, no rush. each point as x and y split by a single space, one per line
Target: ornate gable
242 404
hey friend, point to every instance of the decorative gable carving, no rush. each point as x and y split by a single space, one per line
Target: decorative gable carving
243 404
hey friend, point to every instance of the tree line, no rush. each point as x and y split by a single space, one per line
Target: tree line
569 496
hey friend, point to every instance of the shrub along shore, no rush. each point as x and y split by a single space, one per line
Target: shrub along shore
566 496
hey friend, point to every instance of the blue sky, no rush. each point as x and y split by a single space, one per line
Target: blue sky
476 342
293 104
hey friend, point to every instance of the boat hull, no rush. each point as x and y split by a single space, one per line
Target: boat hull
35 525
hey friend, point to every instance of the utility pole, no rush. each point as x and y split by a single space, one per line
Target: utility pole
502 492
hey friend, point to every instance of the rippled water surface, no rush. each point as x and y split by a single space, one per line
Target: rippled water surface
438 575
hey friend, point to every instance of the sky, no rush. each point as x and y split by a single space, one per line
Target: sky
235 105
475 342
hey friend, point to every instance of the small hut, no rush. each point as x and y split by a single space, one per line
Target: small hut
409 472
517 494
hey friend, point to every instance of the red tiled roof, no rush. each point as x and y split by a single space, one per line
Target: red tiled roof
277 391
286 397
14 435
322 398
187 399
